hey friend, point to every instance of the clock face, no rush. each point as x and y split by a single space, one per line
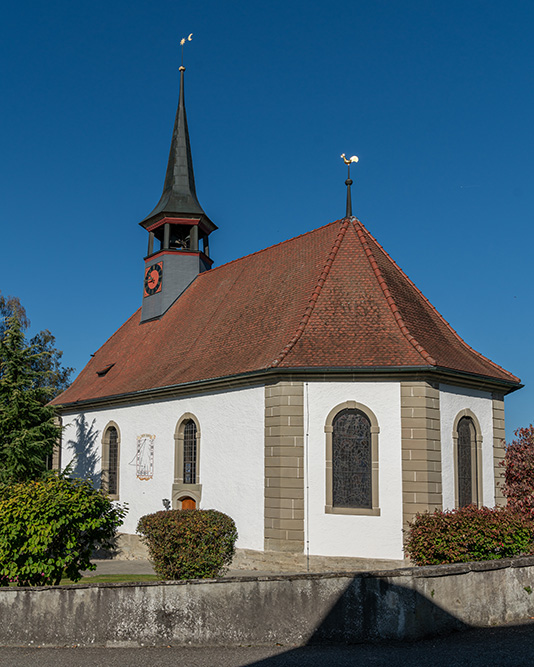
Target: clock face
153 278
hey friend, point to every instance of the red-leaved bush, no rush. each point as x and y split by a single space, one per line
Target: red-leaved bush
468 534
519 471
189 544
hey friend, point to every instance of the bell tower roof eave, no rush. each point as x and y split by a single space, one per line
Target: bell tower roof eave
155 216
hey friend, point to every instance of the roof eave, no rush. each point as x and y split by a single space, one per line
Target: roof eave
256 377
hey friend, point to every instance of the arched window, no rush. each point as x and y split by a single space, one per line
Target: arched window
186 490
352 460
190 452
110 460
467 441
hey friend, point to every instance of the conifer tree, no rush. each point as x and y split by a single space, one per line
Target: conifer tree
28 431
51 373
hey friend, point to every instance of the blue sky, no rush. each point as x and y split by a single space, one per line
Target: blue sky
435 98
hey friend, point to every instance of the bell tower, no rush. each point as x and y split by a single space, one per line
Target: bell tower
178 229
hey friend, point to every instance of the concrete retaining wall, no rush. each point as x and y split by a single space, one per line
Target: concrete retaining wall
287 609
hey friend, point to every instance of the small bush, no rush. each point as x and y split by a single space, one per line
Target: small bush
49 528
519 471
468 534
189 544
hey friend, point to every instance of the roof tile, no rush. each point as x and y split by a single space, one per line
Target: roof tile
331 298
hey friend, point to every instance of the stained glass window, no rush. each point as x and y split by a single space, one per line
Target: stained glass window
351 460
190 452
466 447
113 460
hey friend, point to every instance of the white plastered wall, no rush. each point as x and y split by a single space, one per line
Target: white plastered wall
355 535
231 462
452 401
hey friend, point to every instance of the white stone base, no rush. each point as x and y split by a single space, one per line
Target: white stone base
131 547
274 561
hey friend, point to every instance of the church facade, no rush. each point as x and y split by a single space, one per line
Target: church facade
309 390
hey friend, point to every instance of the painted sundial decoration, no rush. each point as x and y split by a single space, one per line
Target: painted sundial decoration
144 460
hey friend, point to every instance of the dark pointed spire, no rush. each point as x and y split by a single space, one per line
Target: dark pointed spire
179 198
348 183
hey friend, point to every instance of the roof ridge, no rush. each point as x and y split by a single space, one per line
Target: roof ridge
451 329
258 252
389 297
315 294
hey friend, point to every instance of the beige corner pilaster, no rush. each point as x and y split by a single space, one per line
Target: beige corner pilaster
498 447
284 467
421 449
56 453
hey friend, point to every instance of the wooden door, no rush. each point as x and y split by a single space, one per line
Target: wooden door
188 504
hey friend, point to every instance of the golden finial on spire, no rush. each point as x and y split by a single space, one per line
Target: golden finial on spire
182 42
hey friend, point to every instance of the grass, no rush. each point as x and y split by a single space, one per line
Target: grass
113 578
109 578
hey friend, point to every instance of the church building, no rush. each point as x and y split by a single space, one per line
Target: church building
309 390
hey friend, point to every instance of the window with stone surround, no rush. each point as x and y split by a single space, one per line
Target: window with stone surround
111 460
186 489
352 460
467 444
190 452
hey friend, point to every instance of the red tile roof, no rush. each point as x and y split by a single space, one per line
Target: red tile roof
331 298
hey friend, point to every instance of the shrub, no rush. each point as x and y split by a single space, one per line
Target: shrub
468 534
189 544
49 528
519 471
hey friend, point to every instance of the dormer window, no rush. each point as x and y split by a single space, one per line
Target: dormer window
105 370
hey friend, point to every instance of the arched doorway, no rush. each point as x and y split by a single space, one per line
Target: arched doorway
188 503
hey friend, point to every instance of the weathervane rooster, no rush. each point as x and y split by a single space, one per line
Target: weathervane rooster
182 42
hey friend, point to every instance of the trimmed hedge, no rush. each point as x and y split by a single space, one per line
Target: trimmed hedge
189 544
468 534
49 529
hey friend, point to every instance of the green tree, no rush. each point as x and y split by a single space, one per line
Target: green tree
9 306
52 374
28 431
